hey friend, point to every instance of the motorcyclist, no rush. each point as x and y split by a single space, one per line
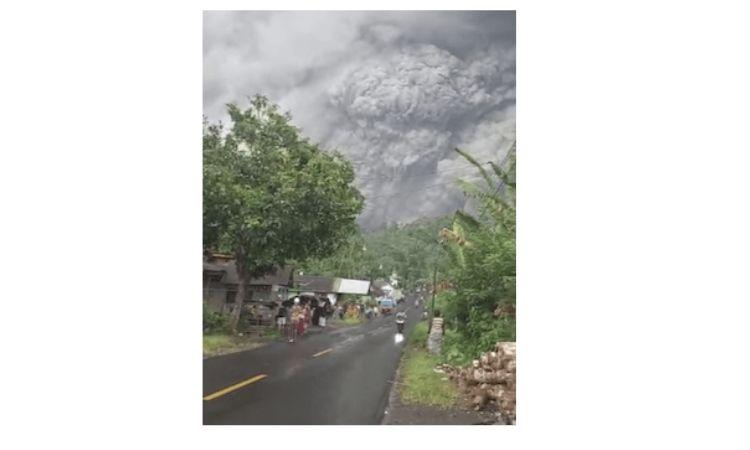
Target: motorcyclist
400 321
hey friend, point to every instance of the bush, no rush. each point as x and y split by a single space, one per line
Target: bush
214 322
483 271
455 350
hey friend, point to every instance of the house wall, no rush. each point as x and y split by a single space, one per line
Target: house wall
273 293
214 295
260 293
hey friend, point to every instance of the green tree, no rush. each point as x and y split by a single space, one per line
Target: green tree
270 195
412 251
482 251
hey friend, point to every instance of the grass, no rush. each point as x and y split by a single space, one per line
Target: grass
220 344
214 343
272 333
352 320
421 385
418 336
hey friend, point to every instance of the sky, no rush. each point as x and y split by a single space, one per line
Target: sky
394 91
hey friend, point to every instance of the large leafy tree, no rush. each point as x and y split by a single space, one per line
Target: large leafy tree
270 195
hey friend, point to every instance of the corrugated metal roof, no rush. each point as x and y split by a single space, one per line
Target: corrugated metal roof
279 277
310 283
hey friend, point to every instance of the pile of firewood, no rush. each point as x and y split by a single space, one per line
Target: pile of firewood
490 380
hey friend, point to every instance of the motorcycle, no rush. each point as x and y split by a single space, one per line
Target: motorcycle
400 322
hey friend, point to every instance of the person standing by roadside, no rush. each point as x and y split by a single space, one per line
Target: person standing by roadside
281 318
316 313
296 320
322 313
300 319
308 316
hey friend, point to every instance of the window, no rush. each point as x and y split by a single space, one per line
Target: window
231 295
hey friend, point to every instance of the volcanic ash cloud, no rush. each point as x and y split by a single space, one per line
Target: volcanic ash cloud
400 116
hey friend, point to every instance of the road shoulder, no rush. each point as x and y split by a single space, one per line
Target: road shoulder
399 413
402 412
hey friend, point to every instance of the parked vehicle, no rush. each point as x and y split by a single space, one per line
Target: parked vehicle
387 306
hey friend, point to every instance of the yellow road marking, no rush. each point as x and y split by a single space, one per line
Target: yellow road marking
322 353
234 387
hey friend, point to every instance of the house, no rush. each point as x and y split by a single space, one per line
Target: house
333 288
381 288
220 283
348 286
313 286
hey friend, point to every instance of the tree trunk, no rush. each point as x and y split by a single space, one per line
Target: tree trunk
239 299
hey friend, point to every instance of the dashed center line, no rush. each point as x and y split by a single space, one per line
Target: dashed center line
322 353
234 387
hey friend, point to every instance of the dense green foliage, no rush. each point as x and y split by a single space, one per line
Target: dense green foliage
214 322
480 308
411 251
270 195
475 255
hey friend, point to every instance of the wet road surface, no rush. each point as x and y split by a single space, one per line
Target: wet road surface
341 376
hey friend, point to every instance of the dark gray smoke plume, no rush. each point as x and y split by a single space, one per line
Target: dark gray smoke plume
393 91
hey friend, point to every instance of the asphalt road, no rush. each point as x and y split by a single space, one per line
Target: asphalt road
336 377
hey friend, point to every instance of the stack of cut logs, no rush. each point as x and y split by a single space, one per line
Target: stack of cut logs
490 380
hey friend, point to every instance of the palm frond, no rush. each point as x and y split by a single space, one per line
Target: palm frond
467 220
476 164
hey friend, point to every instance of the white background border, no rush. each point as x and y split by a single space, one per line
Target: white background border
632 243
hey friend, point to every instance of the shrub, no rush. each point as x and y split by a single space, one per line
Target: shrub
455 349
214 322
483 271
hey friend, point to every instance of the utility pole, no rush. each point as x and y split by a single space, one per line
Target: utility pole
434 291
